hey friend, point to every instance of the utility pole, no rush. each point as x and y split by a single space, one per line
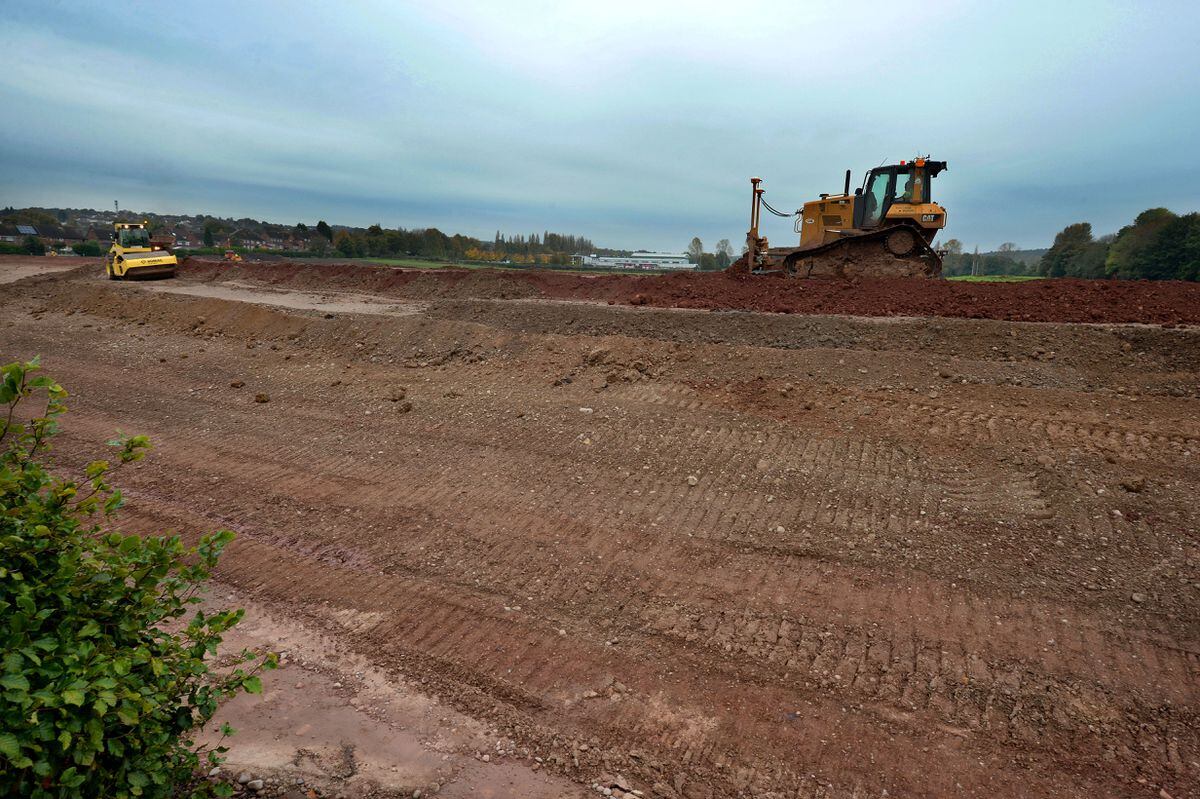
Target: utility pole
975 262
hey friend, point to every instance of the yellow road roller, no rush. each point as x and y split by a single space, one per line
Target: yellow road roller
133 255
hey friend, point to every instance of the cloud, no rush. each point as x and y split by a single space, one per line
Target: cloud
636 124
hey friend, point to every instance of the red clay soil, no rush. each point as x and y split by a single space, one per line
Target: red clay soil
699 555
1165 303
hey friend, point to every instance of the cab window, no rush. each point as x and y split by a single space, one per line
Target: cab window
907 189
875 198
134 237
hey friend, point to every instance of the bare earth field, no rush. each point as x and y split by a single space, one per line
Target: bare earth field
605 540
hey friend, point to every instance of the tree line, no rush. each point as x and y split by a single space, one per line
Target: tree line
1159 245
1007 259
377 241
324 239
721 258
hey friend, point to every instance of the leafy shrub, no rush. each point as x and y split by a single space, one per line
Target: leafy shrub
88 248
103 680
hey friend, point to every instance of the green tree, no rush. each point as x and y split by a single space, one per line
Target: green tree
1182 241
88 248
433 243
708 262
29 216
376 241
393 242
208 235
349 245
1068 245
695 250
34 246
1089 263
1173 252
325 230
724 254
1131 255
104 678
952 247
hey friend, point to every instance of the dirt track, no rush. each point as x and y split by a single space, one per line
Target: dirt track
722 554
1166 303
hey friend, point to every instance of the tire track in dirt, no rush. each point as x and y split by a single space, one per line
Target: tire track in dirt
361 489
442 630
456 541
973 705
1101 438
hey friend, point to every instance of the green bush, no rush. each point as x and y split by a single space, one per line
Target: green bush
34 247
103 678
88 248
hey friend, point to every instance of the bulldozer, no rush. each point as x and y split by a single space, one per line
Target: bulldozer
133 255
884 229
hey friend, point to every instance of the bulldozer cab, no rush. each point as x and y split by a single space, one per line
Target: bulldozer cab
907 183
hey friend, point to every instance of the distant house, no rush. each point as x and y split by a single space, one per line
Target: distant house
47 234
243 241
52 234
237 238
243 238
184 237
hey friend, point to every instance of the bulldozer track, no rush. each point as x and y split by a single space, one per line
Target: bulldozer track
863 255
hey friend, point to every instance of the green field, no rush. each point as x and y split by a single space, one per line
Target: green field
995 278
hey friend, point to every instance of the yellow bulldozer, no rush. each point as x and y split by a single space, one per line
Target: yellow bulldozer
134 255
884 229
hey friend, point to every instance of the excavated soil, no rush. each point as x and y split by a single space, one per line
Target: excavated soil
1164 302
716 554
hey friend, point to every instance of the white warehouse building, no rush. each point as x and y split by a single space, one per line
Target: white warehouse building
638 260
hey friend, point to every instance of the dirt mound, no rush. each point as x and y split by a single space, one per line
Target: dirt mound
1033 301
20 267
1166 303
374 278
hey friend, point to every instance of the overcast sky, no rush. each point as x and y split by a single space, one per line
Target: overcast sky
636 124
